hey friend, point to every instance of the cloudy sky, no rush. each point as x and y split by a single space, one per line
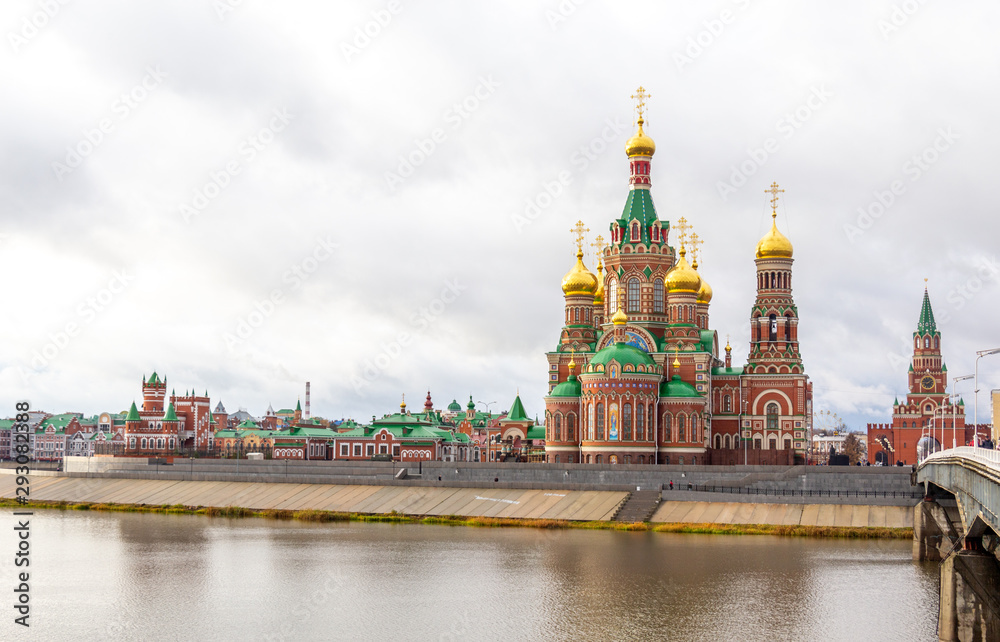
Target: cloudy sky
376 196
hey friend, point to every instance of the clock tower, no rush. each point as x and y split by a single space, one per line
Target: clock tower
927 414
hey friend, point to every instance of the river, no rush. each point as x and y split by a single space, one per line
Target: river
135 576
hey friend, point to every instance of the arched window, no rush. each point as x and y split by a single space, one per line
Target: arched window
788 328
937 342
633 295
694 427
590 422
726 443
570 427
727 403
667 428
680 428
773 333
635 230
650 424
927 342
627 422
658 295
640 423
612 298
600 421
576 315
143 443
558 427
772 416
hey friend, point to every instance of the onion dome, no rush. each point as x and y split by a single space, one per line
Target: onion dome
705 291
683 278
619 317
774 244
579 280
640 144
599 292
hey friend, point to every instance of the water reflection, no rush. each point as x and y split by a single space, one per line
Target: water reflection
134 576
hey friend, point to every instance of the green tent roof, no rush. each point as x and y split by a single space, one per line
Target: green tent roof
926 323
639 207
517 411
171 414
133 413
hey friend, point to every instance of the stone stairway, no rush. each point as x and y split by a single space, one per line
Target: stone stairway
639 507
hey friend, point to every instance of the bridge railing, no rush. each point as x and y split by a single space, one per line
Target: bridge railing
985 456
798 492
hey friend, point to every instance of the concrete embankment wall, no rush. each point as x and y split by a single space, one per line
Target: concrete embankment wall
520 504
809 481
836 515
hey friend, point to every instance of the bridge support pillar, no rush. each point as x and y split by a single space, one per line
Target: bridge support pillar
970 606
933 532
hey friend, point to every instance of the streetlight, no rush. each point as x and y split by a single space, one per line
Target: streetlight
745 440
954 407
979 355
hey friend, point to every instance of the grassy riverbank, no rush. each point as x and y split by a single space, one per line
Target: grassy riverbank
487 522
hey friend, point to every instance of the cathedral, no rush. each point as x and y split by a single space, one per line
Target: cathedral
637 377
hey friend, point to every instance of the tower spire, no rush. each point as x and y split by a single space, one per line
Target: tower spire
926 324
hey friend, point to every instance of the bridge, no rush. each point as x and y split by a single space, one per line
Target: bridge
957 524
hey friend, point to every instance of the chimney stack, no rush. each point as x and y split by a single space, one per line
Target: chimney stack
307 415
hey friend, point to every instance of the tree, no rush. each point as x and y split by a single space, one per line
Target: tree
853 448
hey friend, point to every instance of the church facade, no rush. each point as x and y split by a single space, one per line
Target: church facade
637 376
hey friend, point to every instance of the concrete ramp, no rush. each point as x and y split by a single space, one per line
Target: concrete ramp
840 515
408 500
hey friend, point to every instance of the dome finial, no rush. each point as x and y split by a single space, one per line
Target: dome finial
640 144
580 231
774 244
620 318
677 362
572 360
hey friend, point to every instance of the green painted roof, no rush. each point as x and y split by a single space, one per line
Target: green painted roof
454 406
639 207
677 388
724 372
133 413
153 378
171 414
536 432
298 405
569 388
623 353
249 424
926 323
471 405
517 411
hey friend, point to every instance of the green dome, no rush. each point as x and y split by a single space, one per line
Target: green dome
677 388
454 406
568 388
624 354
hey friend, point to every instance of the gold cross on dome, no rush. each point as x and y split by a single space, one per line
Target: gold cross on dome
640 97
695 247
682 228
579 230
774 191
598 246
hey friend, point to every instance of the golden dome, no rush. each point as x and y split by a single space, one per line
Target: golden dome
683 278
579 280
599 292
619 317
640 144
704 292
774 244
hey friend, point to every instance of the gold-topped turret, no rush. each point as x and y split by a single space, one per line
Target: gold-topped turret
774 244
683 278
579 280
619 317
640 144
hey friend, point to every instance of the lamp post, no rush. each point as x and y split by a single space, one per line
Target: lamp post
745 440
954 407
979 355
